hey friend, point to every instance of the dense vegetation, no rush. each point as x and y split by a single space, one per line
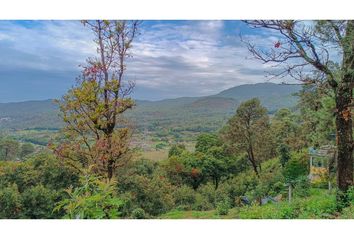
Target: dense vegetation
215 180
253 163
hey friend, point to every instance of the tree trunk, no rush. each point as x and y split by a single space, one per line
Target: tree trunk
216 182
253 160
344 141
344 125
254 165
110 170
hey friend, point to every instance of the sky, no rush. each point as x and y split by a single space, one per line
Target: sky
40 59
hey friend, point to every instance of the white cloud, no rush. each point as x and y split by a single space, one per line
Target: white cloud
193 57
188 58
52 45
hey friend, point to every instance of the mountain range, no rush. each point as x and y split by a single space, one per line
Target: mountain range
181 114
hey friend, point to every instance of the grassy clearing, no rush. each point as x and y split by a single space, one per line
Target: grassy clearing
155 155
319 205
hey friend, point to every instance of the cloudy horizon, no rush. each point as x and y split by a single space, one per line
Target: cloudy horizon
40 59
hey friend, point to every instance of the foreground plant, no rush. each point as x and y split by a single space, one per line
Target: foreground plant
93 199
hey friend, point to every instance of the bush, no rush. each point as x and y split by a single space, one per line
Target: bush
176 150
302 187
93 199
201 203
138 213
296 167
26 149
351 194
318 207
37 203
348 212
184 197
10 202
42 168
222 208
232 189
154 195
208 193
51 172
144 167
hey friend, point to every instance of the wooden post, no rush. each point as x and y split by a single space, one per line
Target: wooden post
290 192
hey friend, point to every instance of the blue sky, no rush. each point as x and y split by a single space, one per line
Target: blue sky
40 59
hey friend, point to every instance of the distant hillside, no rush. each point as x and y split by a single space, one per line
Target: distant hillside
29 114
180 114
211 112
273 96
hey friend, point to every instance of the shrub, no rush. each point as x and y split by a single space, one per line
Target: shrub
51 172
93 199
296 167
144 167
176 150
351 194
302 187
201 203
174 169
10 203
318 207
26 149
223 207
37 203
138 213
154 195
348 212
208 192
184 197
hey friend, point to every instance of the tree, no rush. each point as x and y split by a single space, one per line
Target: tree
286 129
248 131
9 149
309 52
316 112
211 157
26 149
206 141
96 131
284 154
215 164
295 168
176 150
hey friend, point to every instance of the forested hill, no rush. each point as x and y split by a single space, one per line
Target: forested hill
187 113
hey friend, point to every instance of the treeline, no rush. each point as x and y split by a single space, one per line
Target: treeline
11 150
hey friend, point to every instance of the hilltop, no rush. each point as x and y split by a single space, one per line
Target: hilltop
181 114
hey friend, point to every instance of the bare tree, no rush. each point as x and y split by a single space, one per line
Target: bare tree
321 53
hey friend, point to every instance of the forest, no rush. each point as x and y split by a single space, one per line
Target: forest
266 156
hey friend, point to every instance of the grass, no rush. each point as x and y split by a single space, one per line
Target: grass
319 205
155 155
177 214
